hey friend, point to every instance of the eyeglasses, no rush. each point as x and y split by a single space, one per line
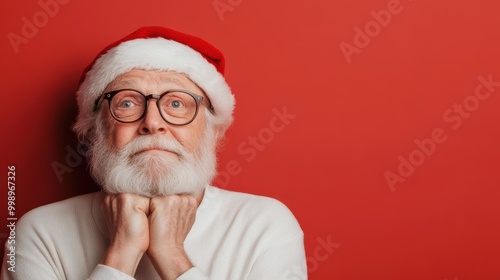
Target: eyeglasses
177 107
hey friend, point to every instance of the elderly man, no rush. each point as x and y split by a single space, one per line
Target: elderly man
153 107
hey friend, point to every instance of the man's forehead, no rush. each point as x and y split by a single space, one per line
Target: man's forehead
144 79
135 77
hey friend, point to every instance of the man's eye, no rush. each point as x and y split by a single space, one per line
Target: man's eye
176 104
126 104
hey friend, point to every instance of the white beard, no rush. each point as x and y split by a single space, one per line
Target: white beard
152 174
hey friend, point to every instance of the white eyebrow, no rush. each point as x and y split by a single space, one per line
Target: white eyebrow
174 81
132 83
123 84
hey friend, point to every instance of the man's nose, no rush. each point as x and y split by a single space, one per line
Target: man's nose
153 122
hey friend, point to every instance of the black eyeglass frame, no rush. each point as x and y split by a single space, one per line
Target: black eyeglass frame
109 95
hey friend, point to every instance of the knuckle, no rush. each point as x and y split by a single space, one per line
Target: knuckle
175 200
192 202
125 198
107 202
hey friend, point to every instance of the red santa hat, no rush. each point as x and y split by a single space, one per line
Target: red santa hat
156 48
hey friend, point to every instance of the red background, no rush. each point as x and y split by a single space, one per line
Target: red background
353 120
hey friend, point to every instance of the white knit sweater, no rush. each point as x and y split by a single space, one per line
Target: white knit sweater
236 236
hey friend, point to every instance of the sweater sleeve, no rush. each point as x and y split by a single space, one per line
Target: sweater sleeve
28 255
47 245
193 274
285 261
103 272
25 268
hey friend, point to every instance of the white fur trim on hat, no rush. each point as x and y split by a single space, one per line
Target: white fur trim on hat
153 54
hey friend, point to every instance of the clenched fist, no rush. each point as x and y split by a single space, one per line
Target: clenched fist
127 219
157 226
170 220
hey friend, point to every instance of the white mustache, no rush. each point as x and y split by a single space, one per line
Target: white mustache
142 143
